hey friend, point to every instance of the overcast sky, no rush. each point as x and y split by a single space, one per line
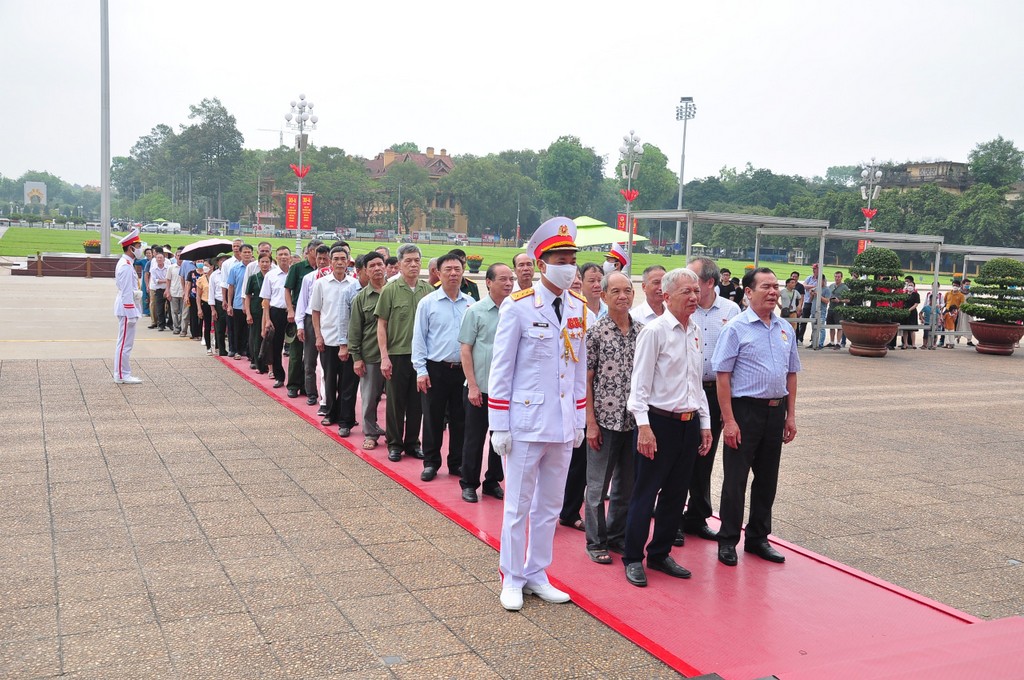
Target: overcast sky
790 86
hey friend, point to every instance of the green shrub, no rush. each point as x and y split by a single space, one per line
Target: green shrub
999 295
869 265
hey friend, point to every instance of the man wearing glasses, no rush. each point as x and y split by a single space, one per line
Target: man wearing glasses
756 362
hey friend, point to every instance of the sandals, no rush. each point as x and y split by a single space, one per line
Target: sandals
369 443
575 524
600 556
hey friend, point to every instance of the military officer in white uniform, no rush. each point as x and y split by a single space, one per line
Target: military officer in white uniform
126 308
537 409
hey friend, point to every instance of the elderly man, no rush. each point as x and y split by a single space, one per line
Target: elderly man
537 409
234 303
712 313
653 305
330 303
756 361
395 313
436 359
611 343
522 264
297 370
304 332
363 347
126 308
476 337
673 426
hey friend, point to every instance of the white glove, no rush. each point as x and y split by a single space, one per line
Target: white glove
132 320
580 435
501 440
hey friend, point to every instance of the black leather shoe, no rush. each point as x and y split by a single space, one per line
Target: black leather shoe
705 532
310 401
668 566
496 492
322 411
680 539
344 431
635 574
327 421
727 555
394 455
469 495
278 383
416 453
428 474
292 393
765 551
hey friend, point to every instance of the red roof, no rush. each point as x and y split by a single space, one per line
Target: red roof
436 166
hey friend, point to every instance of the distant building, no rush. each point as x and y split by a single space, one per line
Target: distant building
437 166
947 175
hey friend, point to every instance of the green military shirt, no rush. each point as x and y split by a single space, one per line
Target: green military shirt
397 306
293 282
362 327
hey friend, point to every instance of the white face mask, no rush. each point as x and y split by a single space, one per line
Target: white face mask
608 267
561 275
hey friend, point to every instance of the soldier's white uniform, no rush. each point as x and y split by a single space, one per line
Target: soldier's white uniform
538 393
126 310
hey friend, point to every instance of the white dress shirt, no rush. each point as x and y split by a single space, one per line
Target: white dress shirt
643 313
273 288
329 297
667 369
216 289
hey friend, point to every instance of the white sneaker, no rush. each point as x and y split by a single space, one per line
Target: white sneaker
547 592
512 598
209 352
130 380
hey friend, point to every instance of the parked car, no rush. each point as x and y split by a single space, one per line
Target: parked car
328 236
150 229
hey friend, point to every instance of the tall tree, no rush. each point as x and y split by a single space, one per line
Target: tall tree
487 189
997 163
405 147
570 175
215 142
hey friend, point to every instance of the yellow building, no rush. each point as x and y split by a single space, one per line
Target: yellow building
437 166
947 175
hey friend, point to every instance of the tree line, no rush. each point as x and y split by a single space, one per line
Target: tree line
202 170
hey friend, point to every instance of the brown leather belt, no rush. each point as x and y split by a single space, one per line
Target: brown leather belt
710 384
451 365
684 416
772 403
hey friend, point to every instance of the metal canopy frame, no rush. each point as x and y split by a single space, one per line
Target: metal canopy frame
982 253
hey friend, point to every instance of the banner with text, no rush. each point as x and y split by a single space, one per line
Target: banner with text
620 222
291 211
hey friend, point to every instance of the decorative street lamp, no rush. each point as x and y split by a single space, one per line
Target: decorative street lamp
869 191
631 152
686 110
300 119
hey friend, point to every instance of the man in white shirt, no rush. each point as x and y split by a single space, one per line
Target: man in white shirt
275 311
304 325
330 303
673 426
177 293
653 305
225 271
157 283
522 264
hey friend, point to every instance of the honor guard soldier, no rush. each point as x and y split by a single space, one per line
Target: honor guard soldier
126 307
615 259
537 409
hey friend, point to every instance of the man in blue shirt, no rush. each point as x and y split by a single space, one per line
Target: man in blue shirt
236 307
756 362
436 357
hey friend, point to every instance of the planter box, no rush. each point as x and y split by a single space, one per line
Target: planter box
996 338
869 339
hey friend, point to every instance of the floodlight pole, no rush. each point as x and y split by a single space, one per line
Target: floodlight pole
685 111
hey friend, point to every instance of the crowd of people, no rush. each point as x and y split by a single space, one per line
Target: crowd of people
602 414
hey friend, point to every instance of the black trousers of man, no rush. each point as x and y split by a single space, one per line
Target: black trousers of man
279 320
309 358
575 486
665 478
229 326
477 426
296 368
240 331
340 398
404 408
761 428
220 328
802 326
444 397
698 505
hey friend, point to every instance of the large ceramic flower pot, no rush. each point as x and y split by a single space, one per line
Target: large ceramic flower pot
996 338
869 339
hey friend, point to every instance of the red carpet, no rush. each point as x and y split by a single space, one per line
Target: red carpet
810 618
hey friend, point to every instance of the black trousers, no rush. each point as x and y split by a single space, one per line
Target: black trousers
230 327
802 326
296 368
698 504
220 328
240 331
340 385
443 397
194 326
575 485
160 303
310 355
256 340
207 323
665 478
477 426
761 428
279 319
404 408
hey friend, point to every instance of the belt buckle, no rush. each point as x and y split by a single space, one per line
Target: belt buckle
686 416
774 402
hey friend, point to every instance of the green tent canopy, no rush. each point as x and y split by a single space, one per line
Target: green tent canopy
591 232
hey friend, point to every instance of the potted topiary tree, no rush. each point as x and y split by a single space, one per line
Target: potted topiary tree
870 328
997 303
473 261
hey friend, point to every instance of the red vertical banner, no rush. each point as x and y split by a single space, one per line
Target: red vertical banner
291 211
307 211
620 222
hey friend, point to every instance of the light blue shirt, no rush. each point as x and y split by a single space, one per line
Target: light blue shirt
236 277
711 321
759 357
435 332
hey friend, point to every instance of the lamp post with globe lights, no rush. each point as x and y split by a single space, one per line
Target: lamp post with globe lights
686 110
869 190
300 119
632 150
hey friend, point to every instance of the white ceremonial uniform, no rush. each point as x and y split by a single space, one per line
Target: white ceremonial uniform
127 312
538 392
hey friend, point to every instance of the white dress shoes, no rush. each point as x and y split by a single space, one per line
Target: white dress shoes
512 598
130 380
547 592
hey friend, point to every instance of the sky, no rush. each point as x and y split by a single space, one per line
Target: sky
793 86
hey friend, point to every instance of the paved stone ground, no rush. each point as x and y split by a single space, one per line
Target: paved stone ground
192 527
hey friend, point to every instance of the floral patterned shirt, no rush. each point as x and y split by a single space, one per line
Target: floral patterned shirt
610 357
